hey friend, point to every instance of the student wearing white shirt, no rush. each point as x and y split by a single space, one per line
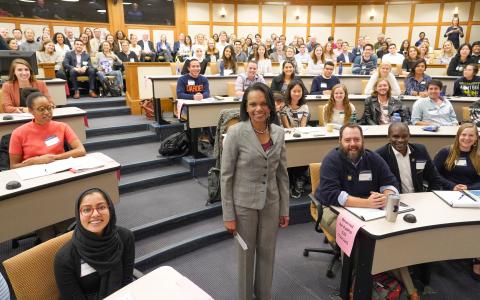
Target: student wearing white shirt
302 56
317 61
222 42
393 57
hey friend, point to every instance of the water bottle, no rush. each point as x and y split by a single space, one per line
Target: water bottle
353 118
396 118
177 66
222 68
340 68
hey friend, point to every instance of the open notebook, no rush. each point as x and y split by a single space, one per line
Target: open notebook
368 214
466 199
73 164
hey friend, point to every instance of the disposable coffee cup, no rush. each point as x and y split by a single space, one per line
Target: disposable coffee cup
330 127
393 202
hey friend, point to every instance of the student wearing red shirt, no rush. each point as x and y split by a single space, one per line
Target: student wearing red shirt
42 140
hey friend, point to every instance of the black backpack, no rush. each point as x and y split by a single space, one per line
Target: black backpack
4 156
175 144
110 88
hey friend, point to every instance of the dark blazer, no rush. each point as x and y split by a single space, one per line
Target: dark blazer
70 60
341 57
418 157
176 47
252 177
372 112
159 47
277 82
150 44
67 268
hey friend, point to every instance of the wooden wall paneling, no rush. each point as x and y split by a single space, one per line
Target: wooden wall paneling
116 18
210 13
410 25
180 16
309 12
235 18
385 13
334 17
470 19
260 21
284 24
359 16
439 25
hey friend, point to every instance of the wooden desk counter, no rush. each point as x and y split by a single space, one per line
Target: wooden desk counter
315 143
440 233
46 200
73 116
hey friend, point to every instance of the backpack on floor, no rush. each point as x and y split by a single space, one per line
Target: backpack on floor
387 287
4 156
110 88
147 106
175 144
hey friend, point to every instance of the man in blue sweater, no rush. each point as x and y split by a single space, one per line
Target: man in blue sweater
323 84
353 176
193 86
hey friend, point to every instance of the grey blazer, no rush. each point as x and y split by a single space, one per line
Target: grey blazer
251 177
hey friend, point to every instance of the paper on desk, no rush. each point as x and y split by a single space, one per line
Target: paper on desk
368 214
76 164
457 199
347 228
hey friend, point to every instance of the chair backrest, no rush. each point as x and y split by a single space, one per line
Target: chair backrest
213 68
173 89
31 272
401 84
1 101
231 89
465 114
364 85
321 119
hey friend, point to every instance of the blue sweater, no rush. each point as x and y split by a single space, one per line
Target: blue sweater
459 174
339 174
187 86
321 84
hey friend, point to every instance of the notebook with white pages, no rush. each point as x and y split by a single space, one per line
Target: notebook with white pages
368 214
462 199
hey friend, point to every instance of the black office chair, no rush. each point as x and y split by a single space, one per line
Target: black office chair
316 210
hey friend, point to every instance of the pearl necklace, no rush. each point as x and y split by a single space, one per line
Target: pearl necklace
260 131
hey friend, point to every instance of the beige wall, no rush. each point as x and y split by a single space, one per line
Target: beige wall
345 21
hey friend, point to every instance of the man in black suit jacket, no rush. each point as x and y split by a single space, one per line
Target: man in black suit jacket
419 168
76 63
148 50
345 56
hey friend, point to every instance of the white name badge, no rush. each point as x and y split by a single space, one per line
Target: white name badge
423 83
461 162
132 60
323 85
191 82
52 140
420 165
85 63
300 115
86 269
365 176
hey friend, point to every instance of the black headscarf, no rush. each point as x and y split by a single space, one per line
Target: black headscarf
103 253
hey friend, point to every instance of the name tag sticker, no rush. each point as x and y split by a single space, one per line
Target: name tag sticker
86 269
323 85
365 176
52 140
364 67
461 162
420 165
300 115
84 63
423 83
191 82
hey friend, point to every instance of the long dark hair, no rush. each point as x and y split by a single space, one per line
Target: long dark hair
261 87
290 87
419 61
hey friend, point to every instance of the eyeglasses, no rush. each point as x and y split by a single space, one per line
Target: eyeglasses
87 211
43 109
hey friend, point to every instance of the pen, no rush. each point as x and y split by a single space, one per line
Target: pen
461 196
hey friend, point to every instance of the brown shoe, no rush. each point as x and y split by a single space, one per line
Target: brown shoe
93 94
414 296
76 95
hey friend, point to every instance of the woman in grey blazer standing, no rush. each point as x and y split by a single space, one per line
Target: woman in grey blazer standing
254 185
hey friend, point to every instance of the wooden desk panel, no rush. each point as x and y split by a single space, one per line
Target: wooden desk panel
50 199
73 116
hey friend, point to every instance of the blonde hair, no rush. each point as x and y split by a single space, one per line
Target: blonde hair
452 53
383 65
328 109
455 149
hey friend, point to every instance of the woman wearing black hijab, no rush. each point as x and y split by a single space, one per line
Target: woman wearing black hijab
99 259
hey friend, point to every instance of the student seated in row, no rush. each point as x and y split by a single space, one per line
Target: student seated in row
412 166
380 106
193 86
433 110
20 77
338 109
77 63
248 78
417 81
199 55
365 63
384 72
460 61
469 84
459 167
323 84
281 82
99 259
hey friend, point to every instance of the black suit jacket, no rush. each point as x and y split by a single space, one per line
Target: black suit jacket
150 45
70 60
418 157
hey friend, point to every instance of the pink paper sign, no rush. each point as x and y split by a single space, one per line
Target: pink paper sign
347 228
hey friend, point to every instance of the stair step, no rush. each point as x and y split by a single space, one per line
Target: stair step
131 155
112 122
119 140
107 111
153 177
94 132
96 103
168 245
156 203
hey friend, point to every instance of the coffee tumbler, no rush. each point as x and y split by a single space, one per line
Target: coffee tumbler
393 200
